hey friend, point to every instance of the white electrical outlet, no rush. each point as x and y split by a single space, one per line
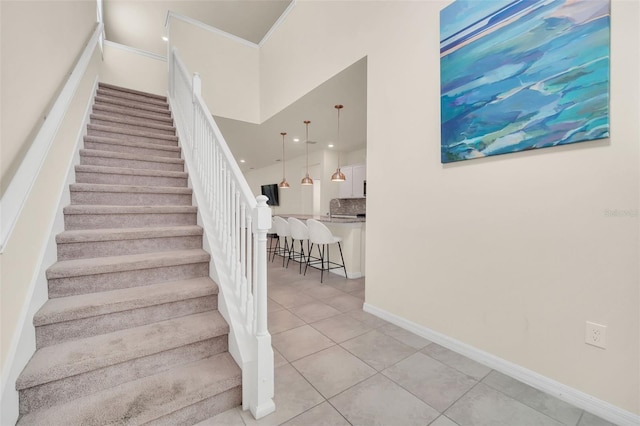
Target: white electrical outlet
596 335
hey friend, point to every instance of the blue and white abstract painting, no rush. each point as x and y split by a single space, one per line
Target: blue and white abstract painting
522 74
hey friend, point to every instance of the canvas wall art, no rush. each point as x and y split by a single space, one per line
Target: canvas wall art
522 74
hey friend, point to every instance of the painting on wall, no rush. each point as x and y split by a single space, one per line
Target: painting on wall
522 74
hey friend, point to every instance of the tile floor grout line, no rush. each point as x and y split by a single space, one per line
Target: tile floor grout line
409 391
526 404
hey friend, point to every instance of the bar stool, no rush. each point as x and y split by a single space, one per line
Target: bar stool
283 232
299 232
320 235
273 238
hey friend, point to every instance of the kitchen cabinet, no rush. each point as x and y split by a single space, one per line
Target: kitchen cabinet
353 186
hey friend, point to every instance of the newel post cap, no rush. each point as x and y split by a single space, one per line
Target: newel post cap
262 216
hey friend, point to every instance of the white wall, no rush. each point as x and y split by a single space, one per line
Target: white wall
229 69
355 157
31 248
40 42
509 254
135 70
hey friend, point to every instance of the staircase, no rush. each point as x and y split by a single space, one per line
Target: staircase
131 333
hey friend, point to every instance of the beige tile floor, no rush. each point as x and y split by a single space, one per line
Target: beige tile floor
338 365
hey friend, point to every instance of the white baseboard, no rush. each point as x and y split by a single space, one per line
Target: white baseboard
563 392
23 343
352 275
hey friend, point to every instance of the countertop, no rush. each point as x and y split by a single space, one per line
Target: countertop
325 219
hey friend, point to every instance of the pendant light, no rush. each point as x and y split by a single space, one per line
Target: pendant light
307 180
338 176
284 184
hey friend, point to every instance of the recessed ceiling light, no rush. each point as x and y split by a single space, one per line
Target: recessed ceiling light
296 140
242 161
165 38
330 145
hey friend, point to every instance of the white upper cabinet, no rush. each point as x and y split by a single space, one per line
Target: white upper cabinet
353 186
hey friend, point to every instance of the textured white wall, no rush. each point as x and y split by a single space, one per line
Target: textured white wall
509 254
130 69
229 70
22 281
40 42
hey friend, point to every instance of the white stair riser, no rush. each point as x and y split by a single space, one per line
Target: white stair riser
127 220
131 149
83 250
64 390
70 286
117 179
131 138
52 334
139 126
129 199
134 164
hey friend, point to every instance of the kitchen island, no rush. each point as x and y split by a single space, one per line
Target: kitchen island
352 230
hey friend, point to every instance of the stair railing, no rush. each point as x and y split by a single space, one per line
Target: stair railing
236 224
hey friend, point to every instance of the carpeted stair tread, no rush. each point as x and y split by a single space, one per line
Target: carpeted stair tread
119 112
98 187
80 356
130 105
133 91
132 96
132 132
129 195
114 210
93 304
88 216
132 122
128 156
121 142
146 399
118 234
129 171
106 265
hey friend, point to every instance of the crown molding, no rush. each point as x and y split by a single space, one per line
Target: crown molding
136 50
280 20
206 27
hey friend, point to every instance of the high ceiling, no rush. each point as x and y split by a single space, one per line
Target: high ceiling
141 24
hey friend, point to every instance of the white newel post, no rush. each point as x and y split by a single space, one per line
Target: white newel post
262 394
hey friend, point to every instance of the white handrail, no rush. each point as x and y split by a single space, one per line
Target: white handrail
236 225
19 188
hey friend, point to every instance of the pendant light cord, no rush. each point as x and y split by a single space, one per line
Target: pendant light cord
283 171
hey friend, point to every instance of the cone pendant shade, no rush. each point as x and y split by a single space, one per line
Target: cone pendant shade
307 180
338 176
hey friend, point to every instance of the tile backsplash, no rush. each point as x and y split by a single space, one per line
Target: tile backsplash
348 206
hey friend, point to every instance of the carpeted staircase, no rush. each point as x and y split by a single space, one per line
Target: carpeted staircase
131 333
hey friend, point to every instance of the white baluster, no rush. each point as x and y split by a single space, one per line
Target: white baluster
196 87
